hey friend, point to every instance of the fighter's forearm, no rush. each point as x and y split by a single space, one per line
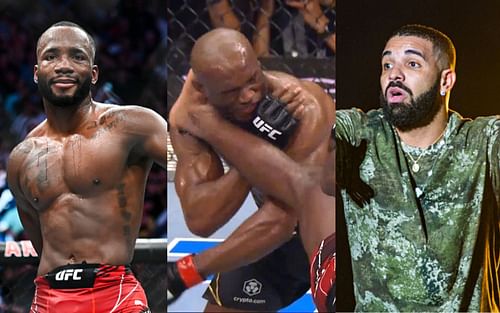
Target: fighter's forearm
263 165
209 205
259 235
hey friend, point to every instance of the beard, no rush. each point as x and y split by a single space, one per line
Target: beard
81 92
418 113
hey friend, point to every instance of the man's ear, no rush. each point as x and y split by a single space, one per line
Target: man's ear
35 74
95 74
448 78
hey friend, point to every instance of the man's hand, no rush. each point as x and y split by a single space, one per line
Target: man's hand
200 118
193 112
291 92
312 12
293 96
181 275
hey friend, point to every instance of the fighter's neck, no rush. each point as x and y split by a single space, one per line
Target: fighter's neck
426 136
65 120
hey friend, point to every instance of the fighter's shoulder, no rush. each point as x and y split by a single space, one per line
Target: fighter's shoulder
20 152
318 92
34 137
104 109
126 115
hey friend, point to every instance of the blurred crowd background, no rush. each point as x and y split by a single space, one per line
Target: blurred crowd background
131 38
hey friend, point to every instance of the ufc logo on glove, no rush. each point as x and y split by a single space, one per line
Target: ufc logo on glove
266 128
273 122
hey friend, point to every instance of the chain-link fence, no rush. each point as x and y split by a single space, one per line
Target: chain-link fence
294 36
18 270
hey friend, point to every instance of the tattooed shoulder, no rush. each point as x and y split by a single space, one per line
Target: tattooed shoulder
111 119
22 149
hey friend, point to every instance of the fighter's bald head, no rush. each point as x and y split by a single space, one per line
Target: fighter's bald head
221 49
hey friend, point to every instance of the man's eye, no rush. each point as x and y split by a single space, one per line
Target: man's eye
413 64
50 57
387 66
79 57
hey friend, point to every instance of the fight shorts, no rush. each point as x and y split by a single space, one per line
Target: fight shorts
89 288
323 275
271 283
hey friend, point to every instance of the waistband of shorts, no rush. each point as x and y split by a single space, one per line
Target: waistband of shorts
100 269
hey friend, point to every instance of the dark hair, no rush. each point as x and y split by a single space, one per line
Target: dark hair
71 24
442 44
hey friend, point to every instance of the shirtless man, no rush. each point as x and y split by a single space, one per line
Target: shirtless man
298 187
79 180
227 75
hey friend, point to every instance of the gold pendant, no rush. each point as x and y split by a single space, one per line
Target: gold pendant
415 167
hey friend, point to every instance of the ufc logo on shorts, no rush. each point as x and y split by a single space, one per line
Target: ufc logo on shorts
263 127
68 274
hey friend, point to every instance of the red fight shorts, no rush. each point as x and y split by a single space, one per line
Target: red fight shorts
323 275
89 288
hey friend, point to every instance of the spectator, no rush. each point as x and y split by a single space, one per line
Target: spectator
255 24
321 20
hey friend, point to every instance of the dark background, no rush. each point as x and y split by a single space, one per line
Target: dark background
362 29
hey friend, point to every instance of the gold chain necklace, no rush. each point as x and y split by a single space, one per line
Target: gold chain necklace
415 166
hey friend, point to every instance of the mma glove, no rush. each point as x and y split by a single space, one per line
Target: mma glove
181 275
273 122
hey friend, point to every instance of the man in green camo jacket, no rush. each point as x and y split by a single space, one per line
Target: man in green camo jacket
420 187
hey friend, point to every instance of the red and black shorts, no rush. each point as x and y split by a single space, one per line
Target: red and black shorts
89 288
323 275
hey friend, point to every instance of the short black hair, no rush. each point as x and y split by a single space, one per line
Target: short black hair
442 44
71 24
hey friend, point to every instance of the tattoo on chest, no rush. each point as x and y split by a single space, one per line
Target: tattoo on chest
37 163
76 155
124 212
25 148
106 122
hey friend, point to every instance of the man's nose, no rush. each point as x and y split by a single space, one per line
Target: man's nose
64 66
396 74
247 94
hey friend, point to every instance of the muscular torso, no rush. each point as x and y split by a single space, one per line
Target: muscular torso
87 189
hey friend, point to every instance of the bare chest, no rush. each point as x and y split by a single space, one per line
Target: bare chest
77 165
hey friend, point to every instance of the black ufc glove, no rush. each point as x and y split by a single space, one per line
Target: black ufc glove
181 275
273 122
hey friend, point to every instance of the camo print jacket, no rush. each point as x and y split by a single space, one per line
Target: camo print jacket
417 239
